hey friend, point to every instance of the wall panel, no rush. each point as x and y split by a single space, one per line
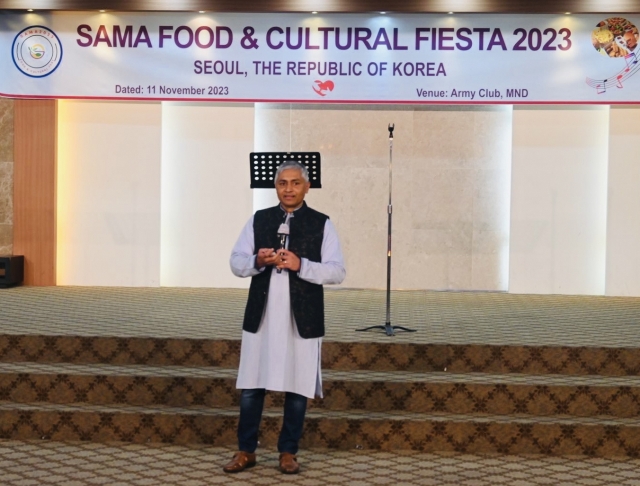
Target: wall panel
623 214
450 188
559 200
34 189
6 176
109 193
206 199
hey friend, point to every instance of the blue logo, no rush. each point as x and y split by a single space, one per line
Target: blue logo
36 51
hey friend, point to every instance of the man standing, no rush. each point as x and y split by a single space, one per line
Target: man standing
284 317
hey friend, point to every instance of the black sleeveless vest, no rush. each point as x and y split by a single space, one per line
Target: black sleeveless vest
306 230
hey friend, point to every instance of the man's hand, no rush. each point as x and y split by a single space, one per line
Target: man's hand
280 259
287 259
266 256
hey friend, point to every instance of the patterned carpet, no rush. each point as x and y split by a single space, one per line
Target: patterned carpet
39 463
485 374
439 317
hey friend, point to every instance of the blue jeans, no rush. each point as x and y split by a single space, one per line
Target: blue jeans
251 405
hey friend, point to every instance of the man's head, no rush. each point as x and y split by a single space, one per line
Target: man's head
292 184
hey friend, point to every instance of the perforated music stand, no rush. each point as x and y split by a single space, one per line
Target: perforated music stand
264 166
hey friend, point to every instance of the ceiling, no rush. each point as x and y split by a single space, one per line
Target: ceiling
340 6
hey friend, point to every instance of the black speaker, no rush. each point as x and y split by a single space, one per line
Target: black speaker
11 270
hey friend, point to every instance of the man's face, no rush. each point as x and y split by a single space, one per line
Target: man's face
291 188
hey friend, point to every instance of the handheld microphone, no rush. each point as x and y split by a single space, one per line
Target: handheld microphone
283 232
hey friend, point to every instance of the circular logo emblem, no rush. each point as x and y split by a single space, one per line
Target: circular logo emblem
37 51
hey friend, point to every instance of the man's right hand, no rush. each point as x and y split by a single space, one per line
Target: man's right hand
265 257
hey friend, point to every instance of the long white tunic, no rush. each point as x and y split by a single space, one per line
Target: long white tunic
276 357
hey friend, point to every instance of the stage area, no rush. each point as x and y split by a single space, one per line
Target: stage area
484 373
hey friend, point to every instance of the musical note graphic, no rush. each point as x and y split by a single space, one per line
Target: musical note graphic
631 68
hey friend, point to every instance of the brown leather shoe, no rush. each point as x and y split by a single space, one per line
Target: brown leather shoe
241 461
289 463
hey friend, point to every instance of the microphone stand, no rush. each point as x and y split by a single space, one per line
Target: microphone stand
388 328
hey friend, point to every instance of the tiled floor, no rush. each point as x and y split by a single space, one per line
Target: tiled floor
439 317
39 463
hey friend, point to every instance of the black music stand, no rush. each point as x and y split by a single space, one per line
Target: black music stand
388 328
264 165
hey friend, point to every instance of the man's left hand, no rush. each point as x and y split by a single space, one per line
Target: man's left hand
288 260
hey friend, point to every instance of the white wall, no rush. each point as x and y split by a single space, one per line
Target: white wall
559 200
451 187
206 199
108 193
623 223
485 198
272 134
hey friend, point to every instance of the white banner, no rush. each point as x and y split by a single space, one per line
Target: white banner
335 58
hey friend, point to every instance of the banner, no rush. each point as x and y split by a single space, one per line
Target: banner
306 58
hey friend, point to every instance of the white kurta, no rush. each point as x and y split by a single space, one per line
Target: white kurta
276 357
